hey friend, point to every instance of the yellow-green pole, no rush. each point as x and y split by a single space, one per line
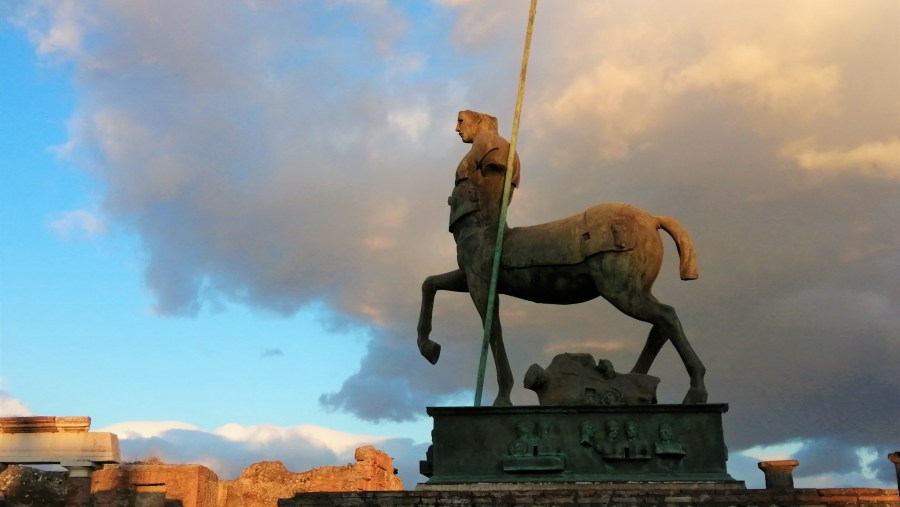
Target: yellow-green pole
504 205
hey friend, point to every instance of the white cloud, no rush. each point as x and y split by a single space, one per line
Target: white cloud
78 222
785 450
12 407
229 449
411 121
338 442
146 429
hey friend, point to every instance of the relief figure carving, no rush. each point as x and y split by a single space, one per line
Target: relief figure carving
666 447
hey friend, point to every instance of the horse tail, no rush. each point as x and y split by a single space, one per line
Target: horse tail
685 247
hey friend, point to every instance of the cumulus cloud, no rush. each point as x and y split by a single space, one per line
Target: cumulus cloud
304 155
12 407
228 450
147 429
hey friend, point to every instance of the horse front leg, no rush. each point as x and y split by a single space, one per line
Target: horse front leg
454 281
479 293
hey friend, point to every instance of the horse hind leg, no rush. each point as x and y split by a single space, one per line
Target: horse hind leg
667 326
636 303
696 371
454 281
655 341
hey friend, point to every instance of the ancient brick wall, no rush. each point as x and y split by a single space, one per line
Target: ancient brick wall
117 485
262 484
152 484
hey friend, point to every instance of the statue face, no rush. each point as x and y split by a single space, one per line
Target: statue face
467 127
665 432
630 430
612 430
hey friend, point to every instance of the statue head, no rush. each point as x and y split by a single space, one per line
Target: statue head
471 123
665 432
612 430
631 430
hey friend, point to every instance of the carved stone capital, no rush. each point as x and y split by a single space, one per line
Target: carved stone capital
779 473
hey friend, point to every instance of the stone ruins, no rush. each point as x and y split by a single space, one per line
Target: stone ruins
97 478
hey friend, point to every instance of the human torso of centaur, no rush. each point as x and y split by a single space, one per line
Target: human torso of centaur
478 188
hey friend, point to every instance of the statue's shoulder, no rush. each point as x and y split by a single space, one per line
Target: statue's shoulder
489 145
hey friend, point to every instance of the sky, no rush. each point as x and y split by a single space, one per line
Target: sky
215 218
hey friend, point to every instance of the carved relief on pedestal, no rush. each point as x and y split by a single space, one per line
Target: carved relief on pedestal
666 446
613 445
536 448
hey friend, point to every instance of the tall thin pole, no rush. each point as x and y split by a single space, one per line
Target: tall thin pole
504 205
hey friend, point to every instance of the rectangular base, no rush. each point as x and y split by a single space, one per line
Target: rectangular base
577 444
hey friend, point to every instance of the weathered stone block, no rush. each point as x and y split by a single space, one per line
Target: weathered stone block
45 424
38 448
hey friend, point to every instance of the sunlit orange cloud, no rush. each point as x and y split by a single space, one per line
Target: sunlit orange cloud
602 346
375 315
878 159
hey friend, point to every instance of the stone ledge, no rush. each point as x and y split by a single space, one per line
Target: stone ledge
589 486
578 495
45 424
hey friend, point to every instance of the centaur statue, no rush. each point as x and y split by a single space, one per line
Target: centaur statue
608 250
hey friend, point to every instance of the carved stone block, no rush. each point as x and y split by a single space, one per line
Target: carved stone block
576 379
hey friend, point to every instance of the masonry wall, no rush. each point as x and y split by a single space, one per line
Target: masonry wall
158 484
582 496
181 485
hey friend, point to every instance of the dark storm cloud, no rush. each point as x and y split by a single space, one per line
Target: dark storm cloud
278 163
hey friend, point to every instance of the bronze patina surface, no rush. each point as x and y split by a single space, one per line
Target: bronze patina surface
577 444
609 250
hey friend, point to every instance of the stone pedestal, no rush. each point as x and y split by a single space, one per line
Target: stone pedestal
576 444
779 474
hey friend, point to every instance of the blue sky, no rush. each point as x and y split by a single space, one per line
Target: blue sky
215 221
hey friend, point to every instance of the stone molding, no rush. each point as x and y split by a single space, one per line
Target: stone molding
45 424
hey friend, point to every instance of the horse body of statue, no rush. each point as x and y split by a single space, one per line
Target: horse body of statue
609 250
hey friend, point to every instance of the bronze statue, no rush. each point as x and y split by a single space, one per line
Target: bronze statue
608 250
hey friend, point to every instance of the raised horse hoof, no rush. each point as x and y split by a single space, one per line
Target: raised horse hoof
694 397
502 401
430 350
